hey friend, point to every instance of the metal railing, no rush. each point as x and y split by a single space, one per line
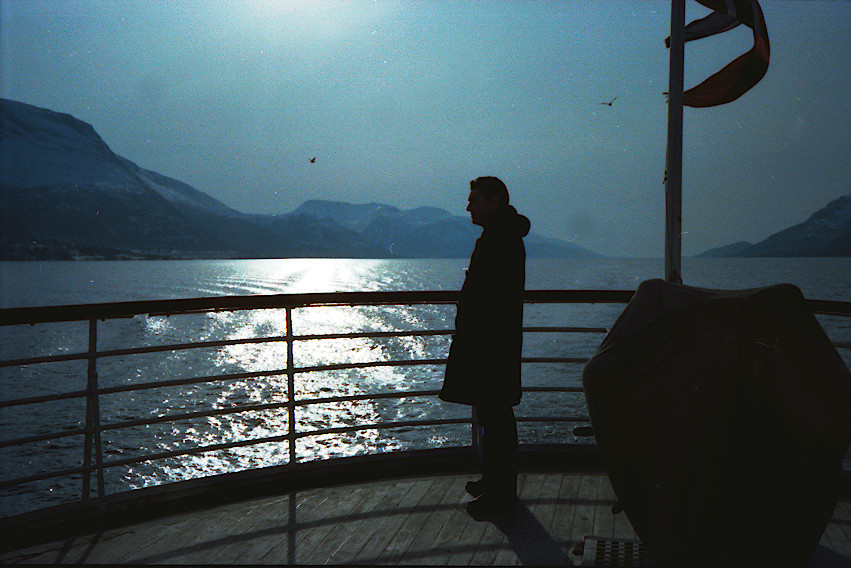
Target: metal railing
94 464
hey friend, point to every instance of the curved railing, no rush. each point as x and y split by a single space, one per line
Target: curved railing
94 464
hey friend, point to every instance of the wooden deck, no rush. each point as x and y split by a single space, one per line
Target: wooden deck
418 520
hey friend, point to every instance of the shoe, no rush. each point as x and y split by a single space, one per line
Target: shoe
488 507
476 488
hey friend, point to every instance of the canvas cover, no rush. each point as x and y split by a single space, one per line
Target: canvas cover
723 418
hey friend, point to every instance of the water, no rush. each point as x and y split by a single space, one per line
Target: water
57 283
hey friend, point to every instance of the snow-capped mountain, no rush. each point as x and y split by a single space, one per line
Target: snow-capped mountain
64 194
826 233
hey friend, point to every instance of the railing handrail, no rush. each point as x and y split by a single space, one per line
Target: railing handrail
110 310
94 312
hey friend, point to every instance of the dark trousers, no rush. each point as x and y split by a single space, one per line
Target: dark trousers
499 449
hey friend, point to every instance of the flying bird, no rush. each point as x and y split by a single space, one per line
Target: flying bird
312 160
609 104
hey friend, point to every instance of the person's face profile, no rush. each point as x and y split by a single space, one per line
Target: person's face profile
481 209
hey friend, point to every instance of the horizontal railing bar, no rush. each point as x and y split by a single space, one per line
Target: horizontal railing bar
829 307
411 394
42 398
270 339
42 437
553 389
367 364
381 426
41 476
553 419
77 312
193 345
191 415
259 407
554 360
376 334
44 359
191 381
565 330
196 450
411 362
356 397
273 439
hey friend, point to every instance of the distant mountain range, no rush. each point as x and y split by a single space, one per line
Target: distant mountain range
826 233
65 195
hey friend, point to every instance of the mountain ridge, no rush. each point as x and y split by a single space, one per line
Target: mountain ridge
65 194
826 233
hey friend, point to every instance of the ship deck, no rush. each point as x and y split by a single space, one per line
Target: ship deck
562 519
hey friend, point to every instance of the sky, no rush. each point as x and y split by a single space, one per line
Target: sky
405 102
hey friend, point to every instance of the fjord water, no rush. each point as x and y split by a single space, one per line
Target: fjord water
83 282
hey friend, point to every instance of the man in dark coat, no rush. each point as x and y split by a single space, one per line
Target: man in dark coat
483 369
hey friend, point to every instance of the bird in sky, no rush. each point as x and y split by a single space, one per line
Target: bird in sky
312 160
609 104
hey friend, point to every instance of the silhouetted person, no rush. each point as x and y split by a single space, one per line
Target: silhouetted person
483 369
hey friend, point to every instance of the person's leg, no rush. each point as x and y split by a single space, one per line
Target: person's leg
498 490
499 451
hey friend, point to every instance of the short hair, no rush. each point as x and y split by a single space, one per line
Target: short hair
491 187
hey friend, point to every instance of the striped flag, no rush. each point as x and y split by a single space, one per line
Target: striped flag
745 71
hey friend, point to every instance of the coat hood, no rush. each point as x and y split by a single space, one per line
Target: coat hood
509 221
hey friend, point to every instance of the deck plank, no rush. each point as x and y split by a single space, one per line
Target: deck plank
562 523
263 529
423 548
381 504
420 520
585 509
604 519
380 529
275 534
409 521
470 534
453 538
388 525
492 540
405 526
321 539
836 539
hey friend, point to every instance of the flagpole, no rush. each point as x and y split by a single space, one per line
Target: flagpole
674 152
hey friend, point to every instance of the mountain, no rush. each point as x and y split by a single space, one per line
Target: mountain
826 233
424 232
65 194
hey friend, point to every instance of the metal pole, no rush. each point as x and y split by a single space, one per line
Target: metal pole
91 409
674 153
290 388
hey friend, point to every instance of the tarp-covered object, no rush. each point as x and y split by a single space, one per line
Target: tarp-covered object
723 418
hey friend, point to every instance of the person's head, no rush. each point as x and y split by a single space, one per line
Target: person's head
488 195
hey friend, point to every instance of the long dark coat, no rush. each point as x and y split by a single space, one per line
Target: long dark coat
484 358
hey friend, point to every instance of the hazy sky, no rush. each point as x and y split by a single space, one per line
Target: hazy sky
405 102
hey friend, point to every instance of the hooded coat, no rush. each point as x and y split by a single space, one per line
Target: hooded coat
483 367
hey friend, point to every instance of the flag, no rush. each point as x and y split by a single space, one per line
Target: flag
745 71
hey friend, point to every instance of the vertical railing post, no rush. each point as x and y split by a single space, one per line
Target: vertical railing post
92 429
290 388
476 442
